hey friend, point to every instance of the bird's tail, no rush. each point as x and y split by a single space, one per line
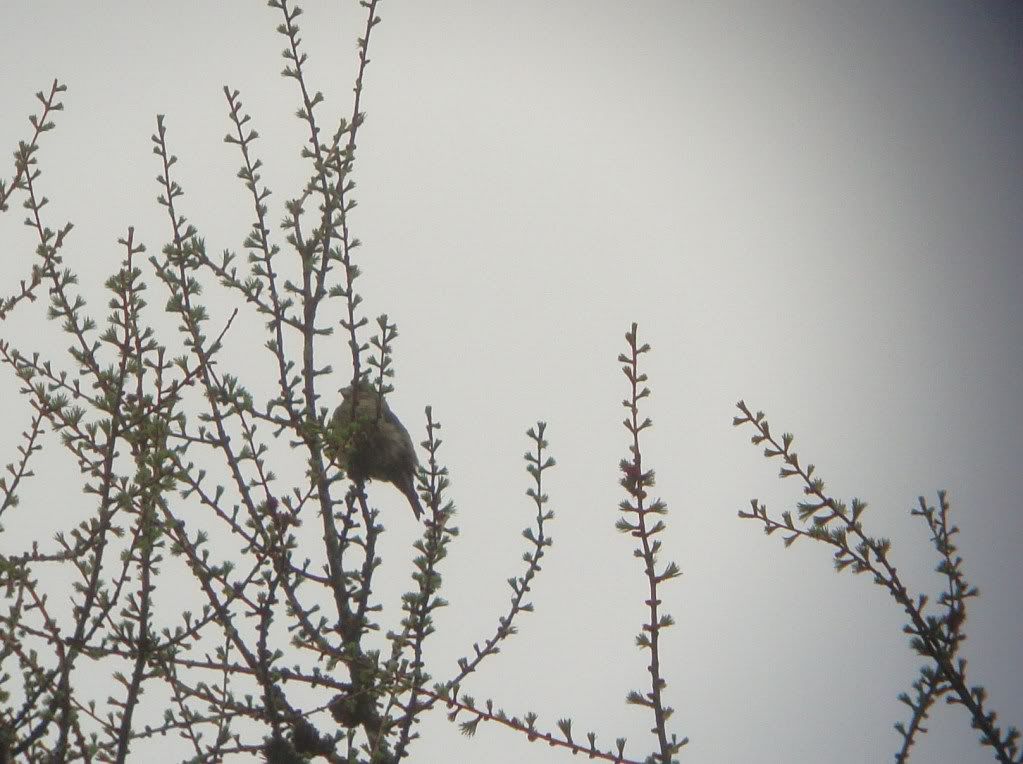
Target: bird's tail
413 498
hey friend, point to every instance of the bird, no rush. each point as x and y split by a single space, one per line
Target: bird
369 442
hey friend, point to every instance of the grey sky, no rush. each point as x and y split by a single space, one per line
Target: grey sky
817 207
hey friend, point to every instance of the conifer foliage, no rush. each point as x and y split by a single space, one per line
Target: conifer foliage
283 655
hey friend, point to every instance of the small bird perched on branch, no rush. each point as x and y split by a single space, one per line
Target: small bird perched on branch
366 439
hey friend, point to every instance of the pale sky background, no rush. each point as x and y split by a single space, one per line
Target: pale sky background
817 207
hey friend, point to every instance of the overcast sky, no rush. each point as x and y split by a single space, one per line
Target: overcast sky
817 207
